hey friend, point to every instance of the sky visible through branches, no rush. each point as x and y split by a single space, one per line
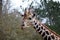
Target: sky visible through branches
22 4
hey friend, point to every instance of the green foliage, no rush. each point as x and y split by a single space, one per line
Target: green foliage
53 13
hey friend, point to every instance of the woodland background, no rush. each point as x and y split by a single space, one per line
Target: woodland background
10 23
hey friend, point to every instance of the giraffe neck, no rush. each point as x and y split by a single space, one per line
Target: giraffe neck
44 31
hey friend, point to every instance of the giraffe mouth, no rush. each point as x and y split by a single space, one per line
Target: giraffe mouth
22 28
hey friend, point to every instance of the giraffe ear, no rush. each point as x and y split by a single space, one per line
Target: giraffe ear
22 15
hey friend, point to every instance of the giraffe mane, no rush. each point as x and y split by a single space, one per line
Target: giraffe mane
51 30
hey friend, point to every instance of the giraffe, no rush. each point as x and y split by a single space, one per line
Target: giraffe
29 18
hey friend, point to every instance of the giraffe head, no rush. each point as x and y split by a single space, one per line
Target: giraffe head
27 18
28 14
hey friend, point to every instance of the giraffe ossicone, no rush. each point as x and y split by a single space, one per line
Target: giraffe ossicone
29 18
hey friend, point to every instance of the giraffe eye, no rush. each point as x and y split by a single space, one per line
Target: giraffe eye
29 18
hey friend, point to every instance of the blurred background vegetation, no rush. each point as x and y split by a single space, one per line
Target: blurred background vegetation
10 23
52 12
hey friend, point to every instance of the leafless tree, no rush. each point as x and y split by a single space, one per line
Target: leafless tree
6 6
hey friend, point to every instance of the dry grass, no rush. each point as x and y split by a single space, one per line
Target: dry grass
10 30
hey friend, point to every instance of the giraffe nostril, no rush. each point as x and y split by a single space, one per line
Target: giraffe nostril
22 25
